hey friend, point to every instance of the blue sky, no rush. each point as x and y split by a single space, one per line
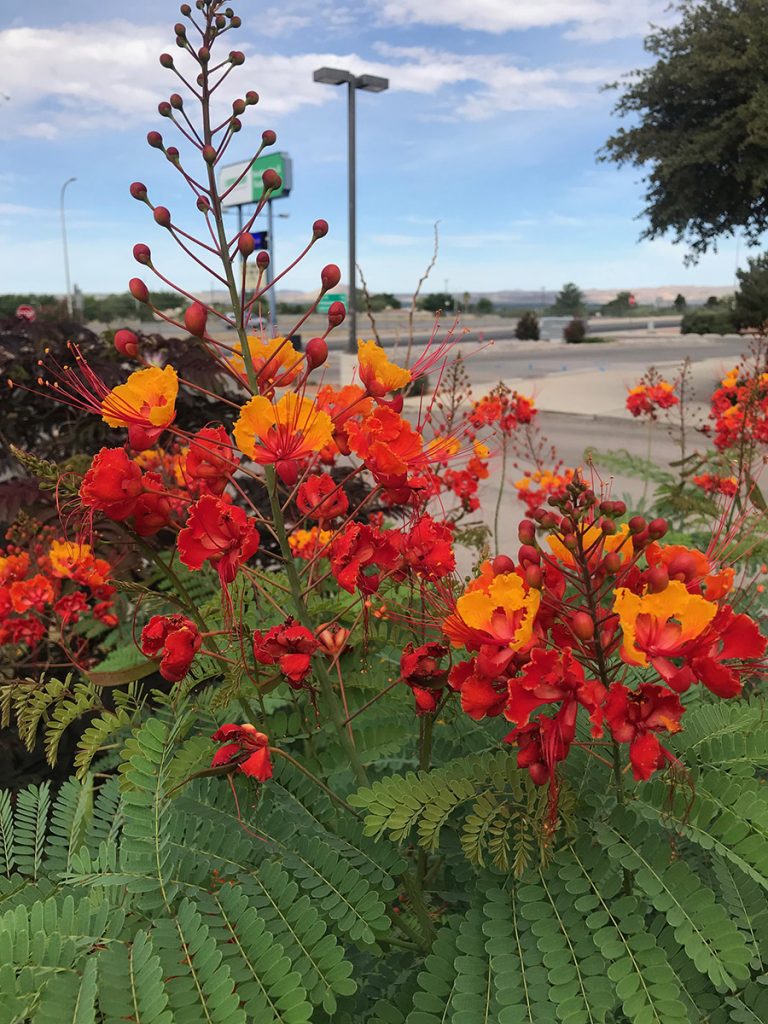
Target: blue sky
490 126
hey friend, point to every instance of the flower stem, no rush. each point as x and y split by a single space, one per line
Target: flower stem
502 484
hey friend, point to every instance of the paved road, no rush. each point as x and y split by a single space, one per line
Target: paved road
507 360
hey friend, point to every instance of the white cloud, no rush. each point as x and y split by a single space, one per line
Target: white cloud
594 20
107 77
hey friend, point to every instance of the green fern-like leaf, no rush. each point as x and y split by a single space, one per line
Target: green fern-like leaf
701 925
69 819
31 822
437 982
131 983
519 975
199 983
474 994
643 981
267 986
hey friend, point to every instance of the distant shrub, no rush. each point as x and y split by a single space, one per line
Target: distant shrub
709 320
575 332
527 327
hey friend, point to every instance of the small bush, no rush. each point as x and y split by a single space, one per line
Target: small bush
527 327
575 332
712 320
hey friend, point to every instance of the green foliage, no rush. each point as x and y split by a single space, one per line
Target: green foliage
569 301
527 327
575 332
699 124
718 320
750 308
437 302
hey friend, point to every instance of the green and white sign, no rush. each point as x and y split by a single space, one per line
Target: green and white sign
251 187
325 303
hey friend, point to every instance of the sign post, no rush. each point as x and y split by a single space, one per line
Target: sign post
248 190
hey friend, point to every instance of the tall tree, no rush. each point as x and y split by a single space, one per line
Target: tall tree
569 300
750 308
700 126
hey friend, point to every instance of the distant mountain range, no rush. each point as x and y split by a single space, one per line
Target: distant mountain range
662 295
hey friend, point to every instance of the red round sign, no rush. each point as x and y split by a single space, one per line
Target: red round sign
25 313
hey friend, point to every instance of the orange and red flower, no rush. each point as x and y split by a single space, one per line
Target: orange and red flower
276 363
290 646
145 404
179 640
112 485
210 461
361 555
245 748
420 669
635 716
219 533
322 498
378 375
283 434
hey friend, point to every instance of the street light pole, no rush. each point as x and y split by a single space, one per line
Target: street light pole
369 83
64 243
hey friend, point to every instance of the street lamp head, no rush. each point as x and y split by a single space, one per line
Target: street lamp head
332 76
372 83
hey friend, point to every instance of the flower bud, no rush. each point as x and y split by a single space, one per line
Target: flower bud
180 29
657 528
533 577
164 108
142 253
271 180
203 54
583 626
528 554
608 527
637 524
612 562
269 137
138 191
337 311
236 58
657 579
138 289
330 276
262 260
172 154
162 216
570 541
202 204
316 352
251 97
235 125
181 42
641 540
127 343
186 10
246 244
238 106
221 21
526 532
166 60
320 229
195 317
619 508
209 154
235 21
502 564
155 140
177 101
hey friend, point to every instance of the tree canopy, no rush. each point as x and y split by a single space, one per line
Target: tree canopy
569 300
701 124
751 300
